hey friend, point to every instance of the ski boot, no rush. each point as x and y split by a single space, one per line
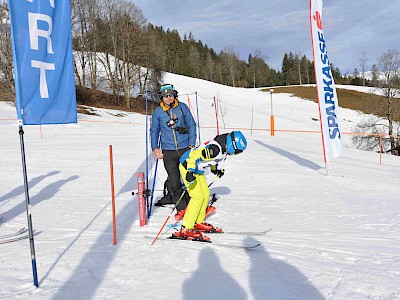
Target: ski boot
190 234
179 214
208 228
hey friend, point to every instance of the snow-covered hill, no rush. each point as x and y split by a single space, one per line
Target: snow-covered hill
333 236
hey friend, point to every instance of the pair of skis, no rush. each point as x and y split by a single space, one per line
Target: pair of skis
226 244
16 236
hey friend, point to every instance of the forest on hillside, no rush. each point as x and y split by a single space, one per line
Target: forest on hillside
114 36
119 30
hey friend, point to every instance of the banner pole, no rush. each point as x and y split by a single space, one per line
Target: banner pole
28 206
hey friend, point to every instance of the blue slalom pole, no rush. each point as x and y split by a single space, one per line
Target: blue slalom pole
28 208
149 208
198 119
150 205
147 149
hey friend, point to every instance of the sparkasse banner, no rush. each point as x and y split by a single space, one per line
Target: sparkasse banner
43 62
326 90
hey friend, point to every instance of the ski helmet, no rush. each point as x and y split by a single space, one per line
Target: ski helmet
167 89
235 142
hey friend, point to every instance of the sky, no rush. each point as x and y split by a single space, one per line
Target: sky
335 231
274 27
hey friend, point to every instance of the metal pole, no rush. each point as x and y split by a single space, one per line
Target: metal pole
28 206
272 119
270 93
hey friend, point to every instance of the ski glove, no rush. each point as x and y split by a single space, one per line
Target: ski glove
218 173
190 178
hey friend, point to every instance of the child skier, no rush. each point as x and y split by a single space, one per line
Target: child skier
193 164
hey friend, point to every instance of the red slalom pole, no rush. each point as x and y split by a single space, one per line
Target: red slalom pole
113 197
172 211
155 239
141 199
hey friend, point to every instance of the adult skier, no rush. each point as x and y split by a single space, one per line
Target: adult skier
193 165
173 122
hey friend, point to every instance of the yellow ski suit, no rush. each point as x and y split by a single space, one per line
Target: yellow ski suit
196 160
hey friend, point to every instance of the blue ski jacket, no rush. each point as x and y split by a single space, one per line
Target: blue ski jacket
171 138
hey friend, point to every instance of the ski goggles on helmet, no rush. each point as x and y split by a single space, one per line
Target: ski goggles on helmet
237 151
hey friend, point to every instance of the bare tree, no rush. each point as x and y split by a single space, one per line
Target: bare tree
387 110
6 59
209 68
230 60
363 65
130 27
298 67
154 59
223 109
389 65
257 68
194 61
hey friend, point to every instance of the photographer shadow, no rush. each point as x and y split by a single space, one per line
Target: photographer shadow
271 278
210 281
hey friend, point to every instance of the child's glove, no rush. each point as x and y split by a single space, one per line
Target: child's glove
190 178
218 173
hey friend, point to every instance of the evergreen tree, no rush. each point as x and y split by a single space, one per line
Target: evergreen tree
356 80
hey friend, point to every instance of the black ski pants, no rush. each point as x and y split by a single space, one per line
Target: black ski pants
171 164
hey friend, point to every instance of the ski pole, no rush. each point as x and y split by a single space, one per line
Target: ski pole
150 204
175 206
177 202
217 177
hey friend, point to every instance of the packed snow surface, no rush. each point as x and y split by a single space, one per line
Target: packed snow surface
335 228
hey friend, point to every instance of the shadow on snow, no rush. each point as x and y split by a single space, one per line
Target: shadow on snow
293 157
271 278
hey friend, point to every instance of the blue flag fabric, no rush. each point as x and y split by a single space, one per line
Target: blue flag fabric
43 62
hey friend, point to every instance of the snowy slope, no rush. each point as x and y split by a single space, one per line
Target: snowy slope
334 236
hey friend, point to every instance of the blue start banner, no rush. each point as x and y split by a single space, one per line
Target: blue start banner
43 62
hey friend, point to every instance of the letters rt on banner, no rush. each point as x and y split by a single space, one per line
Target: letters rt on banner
43 62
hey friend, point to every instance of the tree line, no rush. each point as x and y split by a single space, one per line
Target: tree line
114 37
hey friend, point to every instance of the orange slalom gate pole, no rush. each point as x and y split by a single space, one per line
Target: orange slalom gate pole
113 197
272 121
